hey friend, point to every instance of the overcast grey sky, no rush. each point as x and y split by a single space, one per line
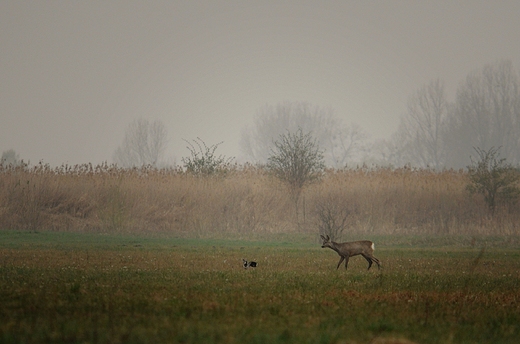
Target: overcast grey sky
74 74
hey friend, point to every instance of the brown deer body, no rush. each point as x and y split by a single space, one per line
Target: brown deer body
350 249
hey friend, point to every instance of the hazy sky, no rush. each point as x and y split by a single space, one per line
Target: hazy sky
74 74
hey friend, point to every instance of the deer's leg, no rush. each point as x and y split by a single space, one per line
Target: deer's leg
346 262
369 260
340 261
377 262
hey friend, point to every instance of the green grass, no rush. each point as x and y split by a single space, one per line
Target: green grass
65 287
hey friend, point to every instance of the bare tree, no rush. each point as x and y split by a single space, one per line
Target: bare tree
340 143
486 114
344 144
144 144
423 128
389 152
332 217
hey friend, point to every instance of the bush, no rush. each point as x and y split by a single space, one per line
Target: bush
494 178
296 160
203 160
332 218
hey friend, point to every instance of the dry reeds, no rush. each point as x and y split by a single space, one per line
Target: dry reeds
105 198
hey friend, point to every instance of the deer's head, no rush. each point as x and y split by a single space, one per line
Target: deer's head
326 241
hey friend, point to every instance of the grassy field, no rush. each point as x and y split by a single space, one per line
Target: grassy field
95 288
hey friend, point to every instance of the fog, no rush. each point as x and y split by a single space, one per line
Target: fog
75 74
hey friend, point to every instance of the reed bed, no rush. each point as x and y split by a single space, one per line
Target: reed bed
246 200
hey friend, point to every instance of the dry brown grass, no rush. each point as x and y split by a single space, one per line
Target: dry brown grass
107 199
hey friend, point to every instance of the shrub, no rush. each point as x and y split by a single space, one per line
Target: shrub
494 178
296 160
332 218
203 160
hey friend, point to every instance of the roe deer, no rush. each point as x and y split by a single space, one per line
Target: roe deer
349 249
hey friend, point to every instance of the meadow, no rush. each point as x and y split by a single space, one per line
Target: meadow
60 287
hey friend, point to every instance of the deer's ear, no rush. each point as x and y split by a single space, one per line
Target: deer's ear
323 238
328 238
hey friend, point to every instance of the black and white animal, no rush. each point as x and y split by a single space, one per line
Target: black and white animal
249 264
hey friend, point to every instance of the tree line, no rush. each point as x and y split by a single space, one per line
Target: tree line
434 132
437 133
